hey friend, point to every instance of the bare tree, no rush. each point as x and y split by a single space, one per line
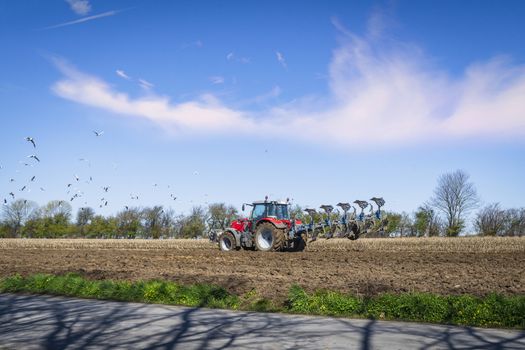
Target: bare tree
491 220
455 196
56 208
16 213
84 217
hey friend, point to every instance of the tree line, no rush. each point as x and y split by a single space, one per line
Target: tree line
444 214
24 218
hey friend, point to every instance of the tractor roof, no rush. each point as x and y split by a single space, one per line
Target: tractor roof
274 202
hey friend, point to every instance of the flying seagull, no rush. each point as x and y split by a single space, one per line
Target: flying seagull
42 189
12 194
32 140
5 201
34 157
33 178
11 180
23 188
98 133
77 178
106 188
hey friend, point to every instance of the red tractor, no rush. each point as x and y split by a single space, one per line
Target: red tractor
269 228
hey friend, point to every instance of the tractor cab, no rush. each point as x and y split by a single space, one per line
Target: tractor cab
275 210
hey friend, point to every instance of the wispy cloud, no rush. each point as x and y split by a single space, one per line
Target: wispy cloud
122 74
146 85
84 19
233 57
205 115
80 7
196 44
280 58
217 80
378 96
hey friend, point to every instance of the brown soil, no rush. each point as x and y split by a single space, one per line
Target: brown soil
364 269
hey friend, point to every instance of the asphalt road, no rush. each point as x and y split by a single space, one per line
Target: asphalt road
45 322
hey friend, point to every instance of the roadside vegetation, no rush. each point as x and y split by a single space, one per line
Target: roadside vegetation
489 311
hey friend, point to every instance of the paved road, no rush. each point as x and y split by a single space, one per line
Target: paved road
44 322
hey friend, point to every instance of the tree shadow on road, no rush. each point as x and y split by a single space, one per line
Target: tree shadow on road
59 323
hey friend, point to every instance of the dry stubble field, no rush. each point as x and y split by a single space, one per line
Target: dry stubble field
364 267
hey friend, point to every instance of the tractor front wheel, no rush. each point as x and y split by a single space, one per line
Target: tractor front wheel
269 238
227 242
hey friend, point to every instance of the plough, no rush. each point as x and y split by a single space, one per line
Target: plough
351 225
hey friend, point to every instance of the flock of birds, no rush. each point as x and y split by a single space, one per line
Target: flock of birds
72 188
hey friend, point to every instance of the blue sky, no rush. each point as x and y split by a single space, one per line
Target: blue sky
230 101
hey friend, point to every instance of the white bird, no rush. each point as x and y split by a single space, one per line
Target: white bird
12 194
77 178
33 178
32 140
106 188
195 172
11 180
42 189
23 188
98 133
34 157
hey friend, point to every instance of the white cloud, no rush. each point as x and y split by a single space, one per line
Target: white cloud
380 97
217 80
146 85
205 115
122 74
280 58
80 7
82 20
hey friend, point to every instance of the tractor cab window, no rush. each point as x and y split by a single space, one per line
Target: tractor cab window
258 211
282 212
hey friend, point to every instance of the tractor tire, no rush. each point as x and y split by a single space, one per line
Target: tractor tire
227 242
299 244
269 238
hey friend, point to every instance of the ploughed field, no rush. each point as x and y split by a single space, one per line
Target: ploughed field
474 265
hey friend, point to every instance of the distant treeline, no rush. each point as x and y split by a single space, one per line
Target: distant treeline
24 218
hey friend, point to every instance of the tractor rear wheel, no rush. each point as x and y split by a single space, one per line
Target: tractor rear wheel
269 238
227 242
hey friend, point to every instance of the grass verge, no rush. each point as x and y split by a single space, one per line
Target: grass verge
490 311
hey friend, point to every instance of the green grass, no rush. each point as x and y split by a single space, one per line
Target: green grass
490 311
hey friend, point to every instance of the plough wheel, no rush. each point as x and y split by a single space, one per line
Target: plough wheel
354 232
269 238
299 244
